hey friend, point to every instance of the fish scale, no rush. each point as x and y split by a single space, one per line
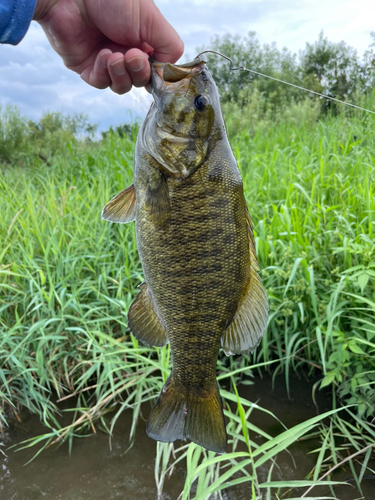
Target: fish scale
195 242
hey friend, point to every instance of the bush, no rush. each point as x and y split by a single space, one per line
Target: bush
14 134
22 140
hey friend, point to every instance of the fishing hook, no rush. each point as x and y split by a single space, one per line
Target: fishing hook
240 68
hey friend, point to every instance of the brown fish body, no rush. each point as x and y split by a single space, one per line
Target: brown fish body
195 243
197 265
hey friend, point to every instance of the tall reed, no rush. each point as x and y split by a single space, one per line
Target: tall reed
67 279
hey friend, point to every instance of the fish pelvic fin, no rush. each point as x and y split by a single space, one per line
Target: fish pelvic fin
143 321
188 414
121 208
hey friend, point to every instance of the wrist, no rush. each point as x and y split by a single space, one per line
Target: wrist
41 8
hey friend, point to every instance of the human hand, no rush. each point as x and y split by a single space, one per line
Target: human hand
108 41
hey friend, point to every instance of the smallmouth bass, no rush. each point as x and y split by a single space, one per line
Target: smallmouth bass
197 249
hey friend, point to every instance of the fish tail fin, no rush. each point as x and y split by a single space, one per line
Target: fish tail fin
179 414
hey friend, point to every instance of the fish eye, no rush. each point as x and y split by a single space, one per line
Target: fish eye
200 102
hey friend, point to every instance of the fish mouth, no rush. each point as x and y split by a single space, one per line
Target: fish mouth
177 73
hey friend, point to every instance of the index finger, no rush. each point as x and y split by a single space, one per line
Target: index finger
166 42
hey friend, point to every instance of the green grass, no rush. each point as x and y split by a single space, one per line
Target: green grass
67 279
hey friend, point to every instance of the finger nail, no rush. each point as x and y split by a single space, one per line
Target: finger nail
118 67
135 64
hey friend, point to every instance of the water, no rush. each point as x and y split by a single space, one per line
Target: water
96 471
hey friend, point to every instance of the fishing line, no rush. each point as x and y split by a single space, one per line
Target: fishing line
242 68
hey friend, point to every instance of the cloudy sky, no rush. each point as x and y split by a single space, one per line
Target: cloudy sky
33 77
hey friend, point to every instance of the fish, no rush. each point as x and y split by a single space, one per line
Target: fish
202 290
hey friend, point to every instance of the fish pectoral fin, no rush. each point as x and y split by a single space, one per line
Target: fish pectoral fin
144 322
157 200
250 320
121 208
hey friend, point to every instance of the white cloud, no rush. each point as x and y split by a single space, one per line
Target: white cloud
302 21
33 76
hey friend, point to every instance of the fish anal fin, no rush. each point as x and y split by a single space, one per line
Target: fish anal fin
187 414
144 322
121 208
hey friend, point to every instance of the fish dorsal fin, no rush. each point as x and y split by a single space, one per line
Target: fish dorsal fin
144 322
122 207
250 320
250 234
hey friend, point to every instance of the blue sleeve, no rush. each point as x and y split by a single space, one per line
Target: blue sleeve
15 19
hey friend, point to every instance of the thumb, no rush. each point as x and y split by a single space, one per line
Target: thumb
163 38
